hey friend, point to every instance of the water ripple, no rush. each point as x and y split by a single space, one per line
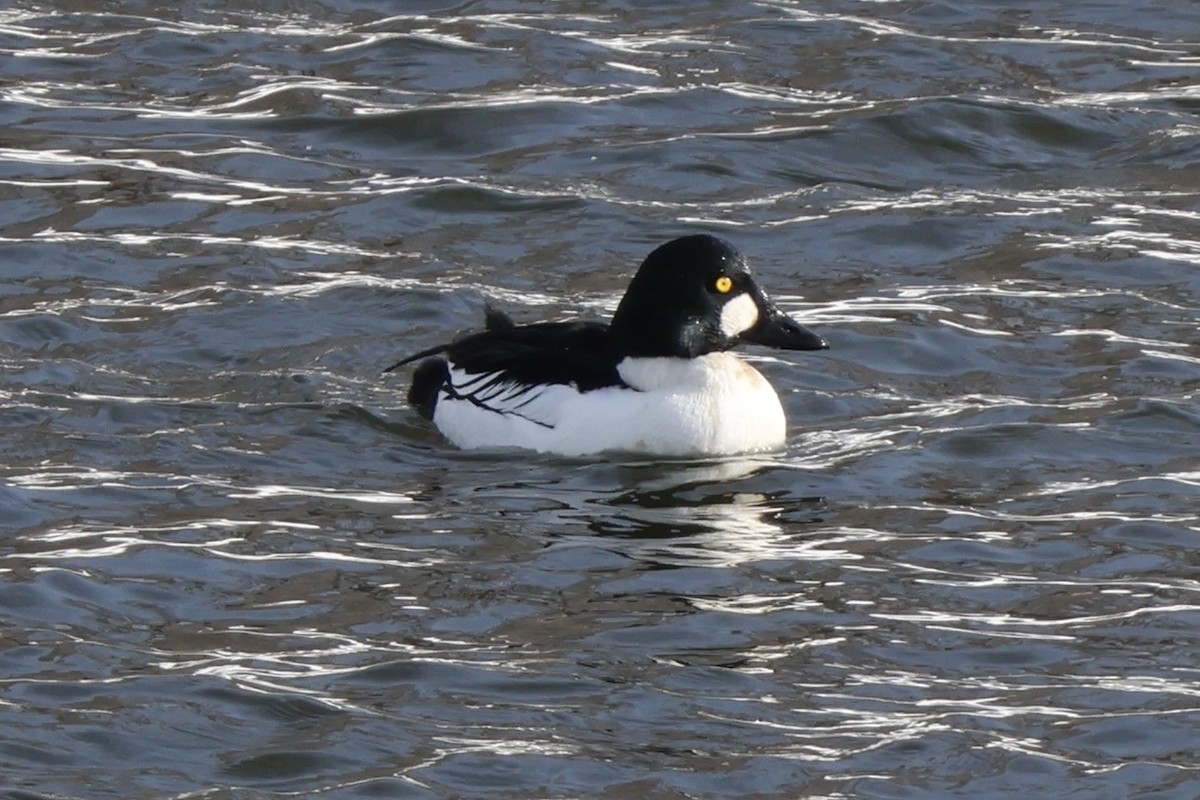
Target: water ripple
236 561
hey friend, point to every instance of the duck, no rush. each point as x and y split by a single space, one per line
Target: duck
656 380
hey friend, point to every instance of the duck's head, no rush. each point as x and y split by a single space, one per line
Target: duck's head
695 295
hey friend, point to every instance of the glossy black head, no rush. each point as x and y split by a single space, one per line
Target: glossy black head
695 295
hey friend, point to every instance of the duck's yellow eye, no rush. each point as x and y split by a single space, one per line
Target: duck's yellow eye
723 284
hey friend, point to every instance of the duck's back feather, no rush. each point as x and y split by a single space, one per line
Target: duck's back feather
576 353
495 367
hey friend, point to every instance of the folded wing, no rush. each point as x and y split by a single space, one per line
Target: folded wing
521 371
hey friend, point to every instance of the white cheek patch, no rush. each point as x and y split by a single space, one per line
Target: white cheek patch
739 315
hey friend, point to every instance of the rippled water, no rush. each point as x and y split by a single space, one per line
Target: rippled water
236 565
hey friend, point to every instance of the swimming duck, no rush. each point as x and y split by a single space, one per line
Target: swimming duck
656 380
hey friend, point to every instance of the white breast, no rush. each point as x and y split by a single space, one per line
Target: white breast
712 405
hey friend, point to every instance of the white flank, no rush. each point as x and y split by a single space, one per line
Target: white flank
712 405
739 315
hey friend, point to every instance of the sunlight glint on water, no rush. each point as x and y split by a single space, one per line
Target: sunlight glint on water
238 564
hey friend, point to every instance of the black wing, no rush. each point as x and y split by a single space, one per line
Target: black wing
508 357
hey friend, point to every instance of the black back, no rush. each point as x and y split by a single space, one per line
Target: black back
544 352
578 353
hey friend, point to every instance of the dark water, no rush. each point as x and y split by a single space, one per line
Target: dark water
236 565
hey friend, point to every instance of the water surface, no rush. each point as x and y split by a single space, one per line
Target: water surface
236 565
